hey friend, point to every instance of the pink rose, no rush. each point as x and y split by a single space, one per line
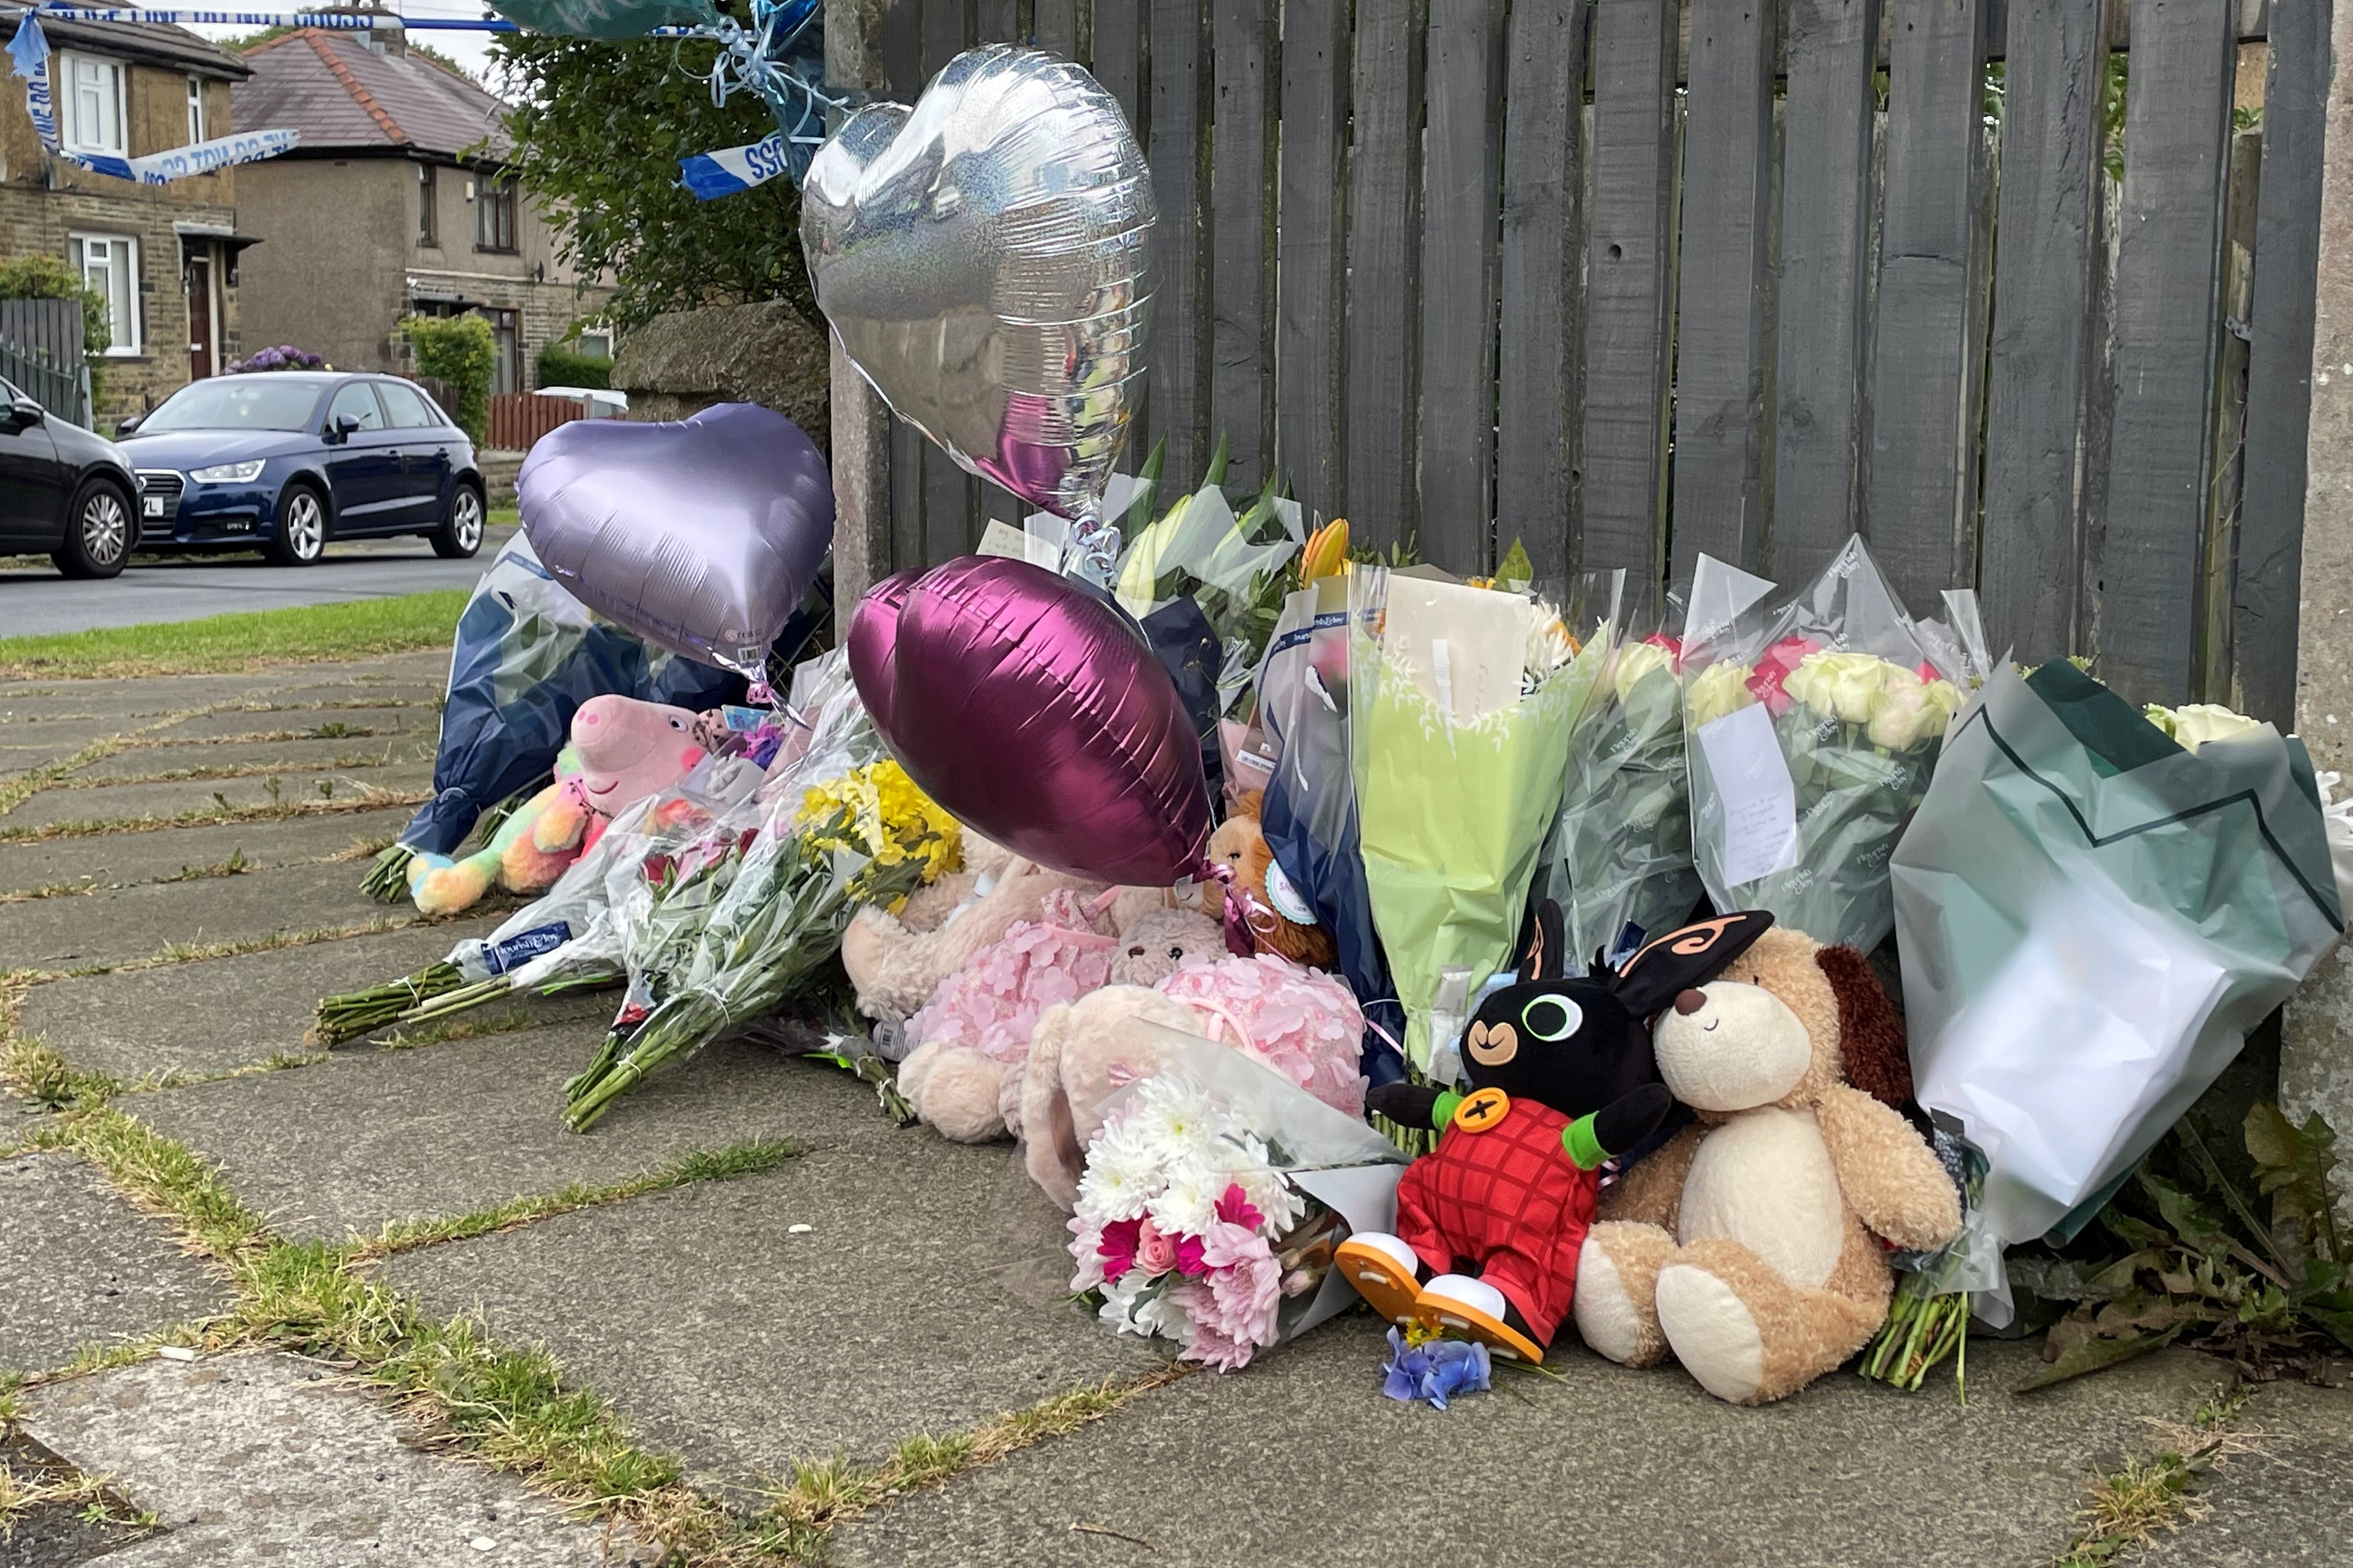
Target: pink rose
1156 1249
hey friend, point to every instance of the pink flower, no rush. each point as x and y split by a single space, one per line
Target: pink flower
1212 1348
1245 1286
1674 646
1773 667
1188 1257
1156 1249
1118 1248
1234 1209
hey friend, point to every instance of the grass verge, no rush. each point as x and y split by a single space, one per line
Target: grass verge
253 640
2156 1494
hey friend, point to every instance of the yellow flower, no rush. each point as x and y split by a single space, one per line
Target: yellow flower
1636 663
891 820
1847 685
1718 690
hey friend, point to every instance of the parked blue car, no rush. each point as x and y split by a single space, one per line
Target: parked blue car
288 459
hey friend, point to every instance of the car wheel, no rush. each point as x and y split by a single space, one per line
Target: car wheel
461 533
98 532
302 536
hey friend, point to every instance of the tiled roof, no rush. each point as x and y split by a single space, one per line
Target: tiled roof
151 42
344 96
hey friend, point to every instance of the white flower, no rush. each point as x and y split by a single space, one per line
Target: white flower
1123 1173
2195 724
1717 690
1847 685
1636 663
1912 712
1175 1117
1188 1200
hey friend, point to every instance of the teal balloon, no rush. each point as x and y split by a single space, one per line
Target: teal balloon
611 20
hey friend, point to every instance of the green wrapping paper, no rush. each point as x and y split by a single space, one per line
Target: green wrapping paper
2092 918
1450 816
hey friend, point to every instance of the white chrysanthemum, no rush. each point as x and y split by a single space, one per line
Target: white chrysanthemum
1188 1202
1176 1117
1123 1173
1164 1315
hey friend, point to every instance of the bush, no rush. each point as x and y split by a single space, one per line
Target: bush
285 356
50 277
561 367
460 352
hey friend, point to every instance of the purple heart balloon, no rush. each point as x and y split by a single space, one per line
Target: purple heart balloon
701 535
1038 716
873 633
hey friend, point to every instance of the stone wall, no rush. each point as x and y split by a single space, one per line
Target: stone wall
767 354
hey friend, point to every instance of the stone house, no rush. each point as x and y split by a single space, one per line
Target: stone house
394 205
167 258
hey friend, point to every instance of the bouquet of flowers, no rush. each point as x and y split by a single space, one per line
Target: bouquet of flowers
1462 701
1619 858
1214 1195
284 356
727 930
1813 733
2179 857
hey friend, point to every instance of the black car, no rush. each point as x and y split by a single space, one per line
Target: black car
64 491
287 460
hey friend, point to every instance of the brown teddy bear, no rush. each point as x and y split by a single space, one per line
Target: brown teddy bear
1280 921
1749 1244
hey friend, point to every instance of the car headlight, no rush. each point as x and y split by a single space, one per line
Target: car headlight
228 473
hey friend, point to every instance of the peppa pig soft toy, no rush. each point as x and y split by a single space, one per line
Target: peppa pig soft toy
622 751
629 750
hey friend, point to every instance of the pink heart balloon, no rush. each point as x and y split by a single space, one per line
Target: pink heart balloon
1038 715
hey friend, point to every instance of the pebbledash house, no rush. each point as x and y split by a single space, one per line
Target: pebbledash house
394 203
166 258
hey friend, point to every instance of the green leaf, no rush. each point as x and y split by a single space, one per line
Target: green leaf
1515 566
2197 1226
2097 1355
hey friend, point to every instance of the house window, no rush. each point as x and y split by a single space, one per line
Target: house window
110 264
494 216
91 105
429 205
196 110
596 343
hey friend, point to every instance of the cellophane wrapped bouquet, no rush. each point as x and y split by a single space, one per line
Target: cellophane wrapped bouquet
1214 1195
1618 858
723 929
1812 732
1461 703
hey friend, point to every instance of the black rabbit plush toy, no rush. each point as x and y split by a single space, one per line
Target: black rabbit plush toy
1561 1077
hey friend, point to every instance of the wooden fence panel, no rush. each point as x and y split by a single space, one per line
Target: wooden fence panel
1627 309
1405 262
1179 335
2177 121
1459 265
1312 274
2041 353
1536 369
1241 230
2270 561
1720 308
1919 508
1825 228
1384 257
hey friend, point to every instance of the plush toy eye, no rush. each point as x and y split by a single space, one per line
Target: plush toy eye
1551 1017
1176 953
676 722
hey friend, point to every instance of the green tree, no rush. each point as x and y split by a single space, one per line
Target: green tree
598 132
460 352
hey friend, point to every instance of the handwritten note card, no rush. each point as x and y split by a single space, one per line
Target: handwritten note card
1759 831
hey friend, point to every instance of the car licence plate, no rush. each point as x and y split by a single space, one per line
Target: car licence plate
155 506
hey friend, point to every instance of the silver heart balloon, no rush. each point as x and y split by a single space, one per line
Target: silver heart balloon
986 259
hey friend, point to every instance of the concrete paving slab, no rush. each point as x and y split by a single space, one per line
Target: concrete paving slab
18 760
136 697
134 802
374 1136
414 719
1299 1459
81 1266
333 754
927 1296
217 1015
120 859
2284 1501
116 925
58 1533
265 1458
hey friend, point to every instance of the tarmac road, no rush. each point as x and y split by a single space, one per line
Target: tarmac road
34 599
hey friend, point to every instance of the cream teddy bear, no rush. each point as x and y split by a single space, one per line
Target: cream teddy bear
897 961
1749 1244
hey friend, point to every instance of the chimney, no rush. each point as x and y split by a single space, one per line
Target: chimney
384 34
